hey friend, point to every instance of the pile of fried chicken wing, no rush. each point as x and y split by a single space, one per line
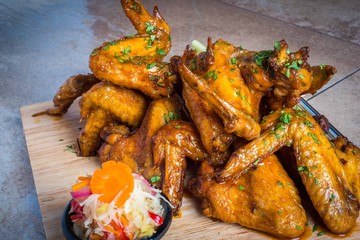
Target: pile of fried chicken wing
228 112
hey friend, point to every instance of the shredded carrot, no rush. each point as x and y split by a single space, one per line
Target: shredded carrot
83 183
113 178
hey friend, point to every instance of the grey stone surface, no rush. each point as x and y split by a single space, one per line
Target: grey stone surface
43 42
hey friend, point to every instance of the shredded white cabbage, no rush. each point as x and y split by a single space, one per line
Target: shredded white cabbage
142 200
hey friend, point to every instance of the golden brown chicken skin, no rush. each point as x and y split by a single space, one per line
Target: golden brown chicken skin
333 186
175 142
103 104
223 88
136 62
136 148
215 139
264 198
70 90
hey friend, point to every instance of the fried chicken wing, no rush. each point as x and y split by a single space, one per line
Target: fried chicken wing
263 198
333 186
215 139
103 104
136 149
223 88
292 76
70 90
174 143
136 62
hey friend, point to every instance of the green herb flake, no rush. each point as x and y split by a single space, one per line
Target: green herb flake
322 66
279 212
261 56
332 197
177 126
149 28
160 51
154 179
298 228
308 123
105 47
280 184
316 182
303 169
241 188
233 60
277 45
314 228
127 50
151 65
257 161
211 74
70 148
285 117
314 137
321 233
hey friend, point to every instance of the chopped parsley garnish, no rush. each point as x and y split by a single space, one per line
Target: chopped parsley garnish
127 50
241 188
277 45
308 123
257 161
280 184
261 56
70 148
285 117
149 28
321 233
212 74
177 126
233 60
314 228
298 228
316 182
314 137
160 51
169 117
155 179
151 65
303 169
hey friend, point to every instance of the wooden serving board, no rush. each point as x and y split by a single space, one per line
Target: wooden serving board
56 167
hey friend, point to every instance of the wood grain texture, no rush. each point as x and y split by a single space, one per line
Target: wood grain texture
55 169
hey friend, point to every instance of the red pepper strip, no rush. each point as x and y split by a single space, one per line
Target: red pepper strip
158 219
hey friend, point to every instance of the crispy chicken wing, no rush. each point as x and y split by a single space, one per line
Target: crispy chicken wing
291 74
215 139
136 62
70 90
263 198
106 103
136 149
330 176
174 143
220 83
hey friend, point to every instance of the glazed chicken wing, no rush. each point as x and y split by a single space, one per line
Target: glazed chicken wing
103 104
136 62
220 83
215 139
174 143
330 176
70 90
263 198
136 148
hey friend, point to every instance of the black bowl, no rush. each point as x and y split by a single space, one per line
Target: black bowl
68 230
